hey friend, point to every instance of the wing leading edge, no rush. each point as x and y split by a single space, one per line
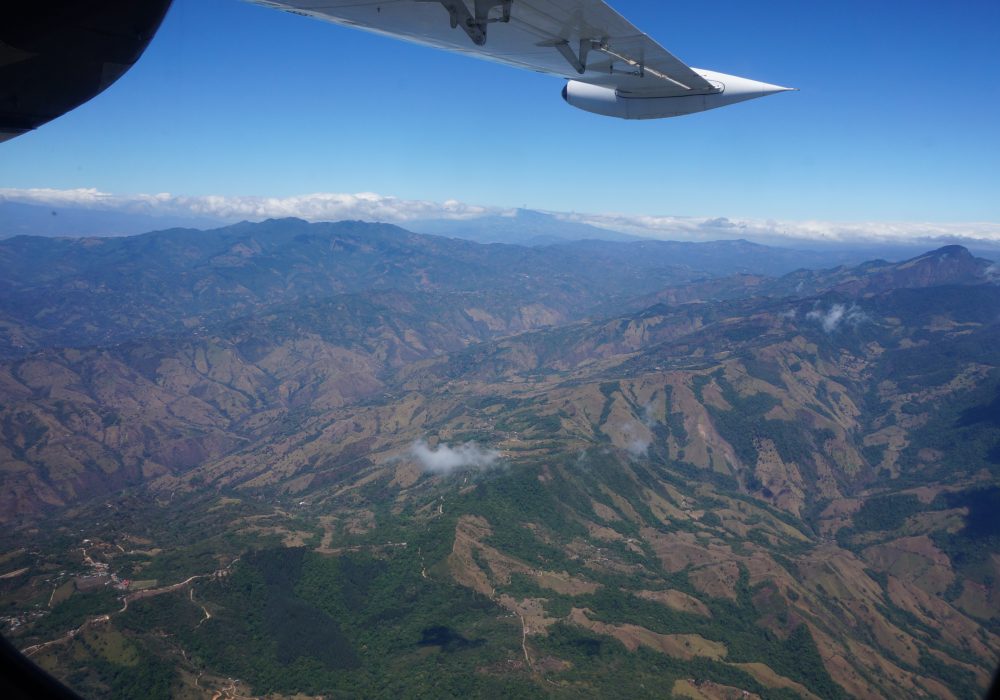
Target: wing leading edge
581 40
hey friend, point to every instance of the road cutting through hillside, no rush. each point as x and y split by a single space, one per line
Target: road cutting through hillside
138 595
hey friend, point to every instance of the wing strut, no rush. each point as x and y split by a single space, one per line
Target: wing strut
579 62
475 24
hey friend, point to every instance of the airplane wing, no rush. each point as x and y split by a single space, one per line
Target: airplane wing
60 53
581 40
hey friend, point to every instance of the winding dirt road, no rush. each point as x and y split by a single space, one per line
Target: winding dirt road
138 595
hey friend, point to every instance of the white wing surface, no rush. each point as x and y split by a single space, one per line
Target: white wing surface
582 40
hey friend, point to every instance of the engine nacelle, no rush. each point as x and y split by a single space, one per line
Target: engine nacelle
609 102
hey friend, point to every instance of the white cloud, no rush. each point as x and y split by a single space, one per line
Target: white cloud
704 228
649 413
445 460
836 315
638 447
636 441
322 206
370 206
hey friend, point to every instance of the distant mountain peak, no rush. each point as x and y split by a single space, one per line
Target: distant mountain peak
955 258
281 220
523 227
949 251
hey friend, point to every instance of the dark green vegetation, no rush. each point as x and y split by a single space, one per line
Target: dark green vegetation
610 670
886 512
973 548
147 677
780 486
734 623
288 620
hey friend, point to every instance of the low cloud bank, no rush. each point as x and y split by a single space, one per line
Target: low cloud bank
445 459
321 206
836 315
771 230
370 206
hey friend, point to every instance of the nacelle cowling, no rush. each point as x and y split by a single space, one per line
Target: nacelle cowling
609 102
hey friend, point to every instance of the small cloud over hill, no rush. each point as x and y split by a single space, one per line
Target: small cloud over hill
836 315
445 459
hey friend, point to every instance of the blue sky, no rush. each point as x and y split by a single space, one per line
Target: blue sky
897 118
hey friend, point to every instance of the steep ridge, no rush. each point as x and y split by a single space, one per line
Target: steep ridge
80 423
944 266
99 291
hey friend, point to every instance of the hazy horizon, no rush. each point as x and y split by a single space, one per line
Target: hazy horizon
210 211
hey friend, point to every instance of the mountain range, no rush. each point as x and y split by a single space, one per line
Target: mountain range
351 459
106 217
